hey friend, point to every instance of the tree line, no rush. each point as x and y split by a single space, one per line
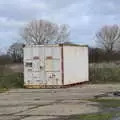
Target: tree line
38 32
107 45
98 55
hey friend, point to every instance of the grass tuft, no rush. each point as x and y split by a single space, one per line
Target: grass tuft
12 80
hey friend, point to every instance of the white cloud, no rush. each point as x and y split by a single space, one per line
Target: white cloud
85 17
6 23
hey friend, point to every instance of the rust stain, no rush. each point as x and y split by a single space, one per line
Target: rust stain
36 57
49 57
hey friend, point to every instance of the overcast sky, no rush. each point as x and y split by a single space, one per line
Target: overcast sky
85 17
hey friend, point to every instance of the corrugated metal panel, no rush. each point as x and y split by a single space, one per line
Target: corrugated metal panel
28 76
28 53
46 65
53 78
27 65
52 65
38 65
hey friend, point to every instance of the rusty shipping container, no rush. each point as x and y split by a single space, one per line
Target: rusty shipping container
55 65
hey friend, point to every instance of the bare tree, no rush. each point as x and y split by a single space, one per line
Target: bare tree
15 51
44 32
108 38
63 33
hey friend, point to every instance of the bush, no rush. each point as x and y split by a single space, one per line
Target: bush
104 74
12 80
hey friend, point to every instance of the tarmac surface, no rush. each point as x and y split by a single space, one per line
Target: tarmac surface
50 104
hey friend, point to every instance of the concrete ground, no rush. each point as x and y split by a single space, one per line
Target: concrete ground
47 104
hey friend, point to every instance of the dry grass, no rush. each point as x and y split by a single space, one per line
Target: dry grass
104 73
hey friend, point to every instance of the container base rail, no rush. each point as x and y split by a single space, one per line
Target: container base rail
54 86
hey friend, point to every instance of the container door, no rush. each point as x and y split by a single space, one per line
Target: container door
53 66
38 66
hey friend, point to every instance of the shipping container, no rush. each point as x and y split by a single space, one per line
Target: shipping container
55 65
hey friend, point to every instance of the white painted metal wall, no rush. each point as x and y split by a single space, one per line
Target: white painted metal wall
28 53
75 64
45 68
55 65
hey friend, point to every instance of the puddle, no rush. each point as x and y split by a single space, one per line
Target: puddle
112 108
117 118
108 94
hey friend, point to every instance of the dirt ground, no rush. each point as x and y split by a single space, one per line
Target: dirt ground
45 104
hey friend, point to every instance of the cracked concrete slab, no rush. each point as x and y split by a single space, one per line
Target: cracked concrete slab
62 109
40 104
10 117
39 118
13 110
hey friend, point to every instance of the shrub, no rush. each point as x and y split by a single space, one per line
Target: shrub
104 74
13 80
